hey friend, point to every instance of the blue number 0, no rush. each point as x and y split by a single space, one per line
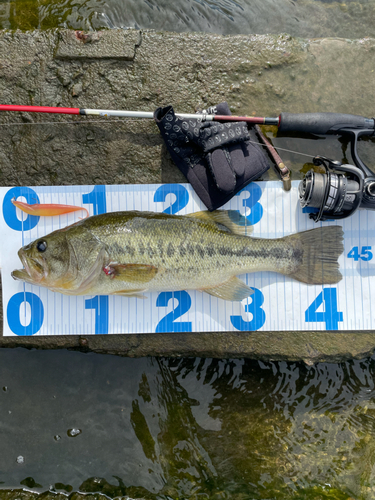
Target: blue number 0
182 197
168 324
9 210
13 313
100 304
252 202
255 308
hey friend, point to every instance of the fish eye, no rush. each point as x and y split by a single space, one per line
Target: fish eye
41 246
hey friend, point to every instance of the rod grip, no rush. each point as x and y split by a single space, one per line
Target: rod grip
322 123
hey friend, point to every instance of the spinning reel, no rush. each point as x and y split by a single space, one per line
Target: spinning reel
339 192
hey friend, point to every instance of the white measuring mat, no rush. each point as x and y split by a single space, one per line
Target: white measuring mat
278 304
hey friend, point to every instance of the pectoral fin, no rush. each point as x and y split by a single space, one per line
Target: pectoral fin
231 219
234 289
136 273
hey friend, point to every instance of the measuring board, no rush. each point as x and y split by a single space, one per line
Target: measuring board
278 304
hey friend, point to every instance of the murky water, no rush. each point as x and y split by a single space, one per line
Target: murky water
303 18
189 428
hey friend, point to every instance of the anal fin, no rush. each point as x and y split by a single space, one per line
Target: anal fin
131 293
234 289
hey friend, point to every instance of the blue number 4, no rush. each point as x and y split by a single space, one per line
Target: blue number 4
331 316
365 254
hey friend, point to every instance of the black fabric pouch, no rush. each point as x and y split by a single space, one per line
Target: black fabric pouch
217 159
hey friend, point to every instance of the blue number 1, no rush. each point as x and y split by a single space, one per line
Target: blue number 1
97 198
100 304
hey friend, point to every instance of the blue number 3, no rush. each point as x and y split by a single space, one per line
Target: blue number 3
255 308
252 202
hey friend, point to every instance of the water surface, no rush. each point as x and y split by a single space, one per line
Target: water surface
187 428
306 18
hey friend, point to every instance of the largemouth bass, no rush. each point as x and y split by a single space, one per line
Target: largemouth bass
128 253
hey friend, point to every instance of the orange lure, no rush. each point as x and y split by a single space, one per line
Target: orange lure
48 209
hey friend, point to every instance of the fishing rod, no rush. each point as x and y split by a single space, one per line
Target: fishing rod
308 123
137 114
330 193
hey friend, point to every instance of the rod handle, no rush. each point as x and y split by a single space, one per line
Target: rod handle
322 123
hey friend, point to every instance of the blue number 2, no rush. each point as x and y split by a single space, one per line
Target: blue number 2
331 316
180 192
168 323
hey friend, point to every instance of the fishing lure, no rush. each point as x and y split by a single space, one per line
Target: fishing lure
47 209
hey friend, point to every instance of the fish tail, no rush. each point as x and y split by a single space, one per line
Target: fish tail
321 249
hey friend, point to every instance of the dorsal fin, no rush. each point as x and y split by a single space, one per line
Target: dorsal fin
231 219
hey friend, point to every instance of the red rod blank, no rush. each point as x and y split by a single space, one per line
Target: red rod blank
40 109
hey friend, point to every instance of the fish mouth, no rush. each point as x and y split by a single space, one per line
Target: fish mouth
33 271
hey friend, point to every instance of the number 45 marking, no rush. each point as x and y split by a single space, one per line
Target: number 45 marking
365 254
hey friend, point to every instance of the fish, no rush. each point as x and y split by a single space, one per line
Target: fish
131 253
47 209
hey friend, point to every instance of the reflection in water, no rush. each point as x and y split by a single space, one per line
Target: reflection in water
308 18
187 428
270 429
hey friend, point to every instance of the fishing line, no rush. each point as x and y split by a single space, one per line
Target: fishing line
106 122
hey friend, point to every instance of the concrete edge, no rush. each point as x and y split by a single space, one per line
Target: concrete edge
307 346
